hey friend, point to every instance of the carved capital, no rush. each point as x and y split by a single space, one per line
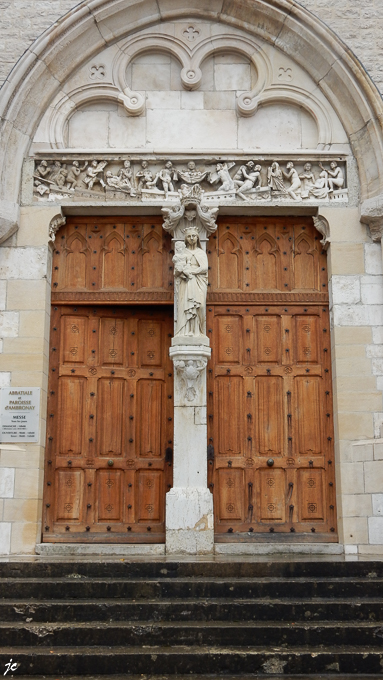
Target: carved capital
56 222
9 219
371 213
322 225
190 211
190 363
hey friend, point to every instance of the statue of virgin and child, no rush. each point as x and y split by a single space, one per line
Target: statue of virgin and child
191 275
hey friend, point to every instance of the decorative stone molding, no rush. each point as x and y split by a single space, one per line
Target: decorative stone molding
200 182
322 225
54 225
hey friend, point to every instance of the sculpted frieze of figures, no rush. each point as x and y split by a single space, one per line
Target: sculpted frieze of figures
154 180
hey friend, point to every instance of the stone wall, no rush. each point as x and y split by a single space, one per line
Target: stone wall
25 271
357 24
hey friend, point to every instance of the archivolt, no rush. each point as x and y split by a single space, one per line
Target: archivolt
95 24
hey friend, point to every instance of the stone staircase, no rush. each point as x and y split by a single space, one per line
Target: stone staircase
161 618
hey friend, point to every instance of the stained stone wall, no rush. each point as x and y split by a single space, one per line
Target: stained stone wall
357 24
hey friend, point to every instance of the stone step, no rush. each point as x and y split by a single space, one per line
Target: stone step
371 676
325 609
190 587
184 660
243 568
203 634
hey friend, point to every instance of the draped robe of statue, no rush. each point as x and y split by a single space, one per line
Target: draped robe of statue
190 270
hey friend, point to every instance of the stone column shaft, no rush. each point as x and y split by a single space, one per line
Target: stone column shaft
189 504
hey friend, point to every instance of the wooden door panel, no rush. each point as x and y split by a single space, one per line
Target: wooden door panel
306 339
267 264
109 495
149 417
149 343
111 406
229 415
105 261
269 382
70 413
113 262
112 341
74 340
110 423
269 420
308 414
70 487
149 496
311 490
229 330
230 497
272 483
268 339
77 256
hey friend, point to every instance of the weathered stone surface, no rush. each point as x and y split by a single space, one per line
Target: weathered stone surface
7 482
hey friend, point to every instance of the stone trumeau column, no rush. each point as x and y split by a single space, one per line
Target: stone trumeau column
189 504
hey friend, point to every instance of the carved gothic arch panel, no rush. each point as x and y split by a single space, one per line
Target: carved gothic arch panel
305 264
266 272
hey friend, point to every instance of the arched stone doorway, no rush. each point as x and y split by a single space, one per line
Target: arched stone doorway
221 88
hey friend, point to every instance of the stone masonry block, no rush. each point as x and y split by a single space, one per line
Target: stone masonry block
24 537
5 379
5 538
378 452
9 324
355 530
375 530
372 290
362 452
373 476
377 504
352 478
27 295
3 294
356 505
354 425
345 289
7 482
377 335
28 483
17 510
373 258
347 259
360 401
351 335
23 263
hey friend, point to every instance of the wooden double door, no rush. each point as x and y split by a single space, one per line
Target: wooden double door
270 414
110 429
110 409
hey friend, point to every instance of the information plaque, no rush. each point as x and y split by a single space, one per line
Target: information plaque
19 414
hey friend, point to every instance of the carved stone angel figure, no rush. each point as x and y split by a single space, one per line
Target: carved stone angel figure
190 272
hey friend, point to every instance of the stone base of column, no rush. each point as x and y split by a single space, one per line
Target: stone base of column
189 521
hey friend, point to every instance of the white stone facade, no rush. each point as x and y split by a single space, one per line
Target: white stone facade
157 81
